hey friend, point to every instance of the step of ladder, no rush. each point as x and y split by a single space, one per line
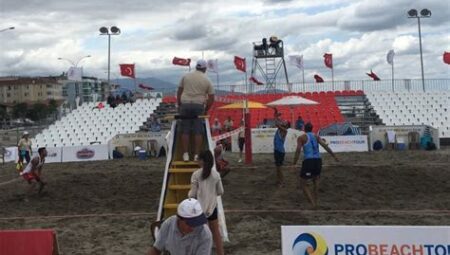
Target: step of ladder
180 187
182 163
170 206
182 170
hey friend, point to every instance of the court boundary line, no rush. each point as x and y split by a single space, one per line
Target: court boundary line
232 211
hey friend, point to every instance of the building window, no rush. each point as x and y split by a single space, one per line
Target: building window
26 94
49 86
49 93
9 87
8 94
28 86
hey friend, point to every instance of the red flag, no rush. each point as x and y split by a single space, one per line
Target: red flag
254 80
328 60
318 78
446 58
239 63
373 76
181 61
127 70
142 86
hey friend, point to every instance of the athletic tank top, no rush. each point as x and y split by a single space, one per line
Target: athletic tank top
29 166
311 148
278 142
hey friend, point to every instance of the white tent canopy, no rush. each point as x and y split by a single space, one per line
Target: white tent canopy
292 101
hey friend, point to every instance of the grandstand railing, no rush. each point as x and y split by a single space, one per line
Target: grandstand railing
399 85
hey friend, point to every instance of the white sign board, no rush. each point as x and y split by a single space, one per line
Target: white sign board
346 143
262 141
365 240
140 138
85 153
54 154
11 154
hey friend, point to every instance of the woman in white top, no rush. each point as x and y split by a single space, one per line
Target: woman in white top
206 185
24 148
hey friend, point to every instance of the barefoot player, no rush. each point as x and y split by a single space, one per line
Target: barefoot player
32 172
312 162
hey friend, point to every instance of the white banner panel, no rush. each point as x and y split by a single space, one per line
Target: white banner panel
365 240
54 154
11 154
262 141
85 153
141 139
346 143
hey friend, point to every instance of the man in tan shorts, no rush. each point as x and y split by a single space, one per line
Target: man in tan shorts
195 97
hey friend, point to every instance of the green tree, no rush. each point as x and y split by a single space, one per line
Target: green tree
20 111
3 113
38 111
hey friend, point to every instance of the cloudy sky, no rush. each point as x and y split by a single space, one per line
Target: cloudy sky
358 33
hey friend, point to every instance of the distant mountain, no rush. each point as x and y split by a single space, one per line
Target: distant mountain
155 83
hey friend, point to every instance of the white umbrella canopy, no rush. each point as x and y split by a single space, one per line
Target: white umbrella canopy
292 101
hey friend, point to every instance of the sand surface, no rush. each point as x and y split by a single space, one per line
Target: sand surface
106 207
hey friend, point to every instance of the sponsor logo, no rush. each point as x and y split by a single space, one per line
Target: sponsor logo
85 154
309 243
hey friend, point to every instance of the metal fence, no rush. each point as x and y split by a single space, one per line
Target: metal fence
365 85
400 85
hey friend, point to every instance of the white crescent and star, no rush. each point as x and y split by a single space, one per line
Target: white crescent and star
129 71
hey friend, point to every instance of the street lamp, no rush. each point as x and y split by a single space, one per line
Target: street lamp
75 65
424 13
111 31
6 29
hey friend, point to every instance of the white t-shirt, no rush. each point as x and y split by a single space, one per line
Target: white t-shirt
206 191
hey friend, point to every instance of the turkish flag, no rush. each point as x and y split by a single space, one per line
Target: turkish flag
328 60
239 63
254 80
181 61
373 76
446 57
127 70
142 86
318 78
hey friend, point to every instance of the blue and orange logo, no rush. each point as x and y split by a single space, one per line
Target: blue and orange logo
309 244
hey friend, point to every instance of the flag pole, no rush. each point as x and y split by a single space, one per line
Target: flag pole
135 87
332 73
392 75
303 77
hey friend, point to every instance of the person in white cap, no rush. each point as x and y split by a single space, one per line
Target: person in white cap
185 233
24 147
195 96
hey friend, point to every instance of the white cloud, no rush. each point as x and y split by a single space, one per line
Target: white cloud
358 33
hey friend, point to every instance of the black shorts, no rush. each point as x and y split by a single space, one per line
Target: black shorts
213 216
279 158
241 142
192 125
311 168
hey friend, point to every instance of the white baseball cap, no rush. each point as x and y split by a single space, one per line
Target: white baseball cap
26 133
191 211
201 63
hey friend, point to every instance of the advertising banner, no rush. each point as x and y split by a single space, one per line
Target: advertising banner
85 153
365 240
346 143
54 154
11 154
